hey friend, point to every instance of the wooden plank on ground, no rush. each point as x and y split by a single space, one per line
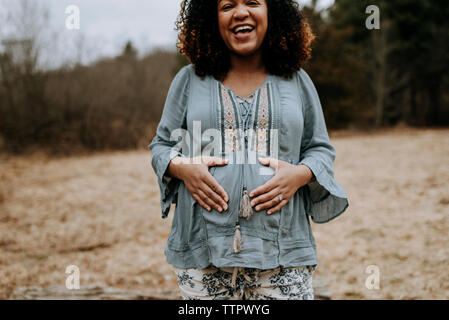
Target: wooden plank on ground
107 293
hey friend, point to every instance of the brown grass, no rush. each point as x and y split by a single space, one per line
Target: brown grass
102 213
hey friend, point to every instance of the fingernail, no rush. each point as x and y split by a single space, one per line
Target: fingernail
208 209
252 203
257 208
220 209
225 206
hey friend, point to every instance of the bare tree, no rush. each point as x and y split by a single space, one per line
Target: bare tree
23 84
23 34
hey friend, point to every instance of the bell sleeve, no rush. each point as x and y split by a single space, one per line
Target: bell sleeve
163 149
325 198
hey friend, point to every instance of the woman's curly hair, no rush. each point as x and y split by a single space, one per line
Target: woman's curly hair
286 47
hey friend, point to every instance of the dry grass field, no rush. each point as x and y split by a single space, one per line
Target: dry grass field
101 212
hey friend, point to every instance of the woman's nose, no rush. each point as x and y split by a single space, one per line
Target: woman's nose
241 12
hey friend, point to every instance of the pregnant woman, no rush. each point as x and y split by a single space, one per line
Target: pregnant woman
243 151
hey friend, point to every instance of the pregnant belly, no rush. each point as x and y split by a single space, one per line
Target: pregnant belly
233 178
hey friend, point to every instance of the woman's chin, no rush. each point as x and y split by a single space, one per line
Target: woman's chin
245 52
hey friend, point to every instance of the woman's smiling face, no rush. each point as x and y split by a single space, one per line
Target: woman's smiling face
243 24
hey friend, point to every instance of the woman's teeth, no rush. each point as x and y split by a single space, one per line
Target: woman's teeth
243 29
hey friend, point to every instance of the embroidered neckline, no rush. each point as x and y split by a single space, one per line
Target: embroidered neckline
260 119
254 94
246 100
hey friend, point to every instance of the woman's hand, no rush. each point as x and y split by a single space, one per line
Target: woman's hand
287 180
199 182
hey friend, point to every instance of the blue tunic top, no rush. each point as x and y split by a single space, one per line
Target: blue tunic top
284 120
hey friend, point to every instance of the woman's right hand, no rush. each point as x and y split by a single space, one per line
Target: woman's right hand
199 182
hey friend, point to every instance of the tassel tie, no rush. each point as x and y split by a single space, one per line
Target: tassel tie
245 206
245 211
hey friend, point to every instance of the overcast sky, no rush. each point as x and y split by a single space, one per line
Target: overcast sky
106 25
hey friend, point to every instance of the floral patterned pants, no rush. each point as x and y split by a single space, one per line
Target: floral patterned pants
239 283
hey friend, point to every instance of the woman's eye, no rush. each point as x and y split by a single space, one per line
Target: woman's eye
226 7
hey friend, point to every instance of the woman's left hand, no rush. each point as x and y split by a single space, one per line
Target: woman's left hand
276 192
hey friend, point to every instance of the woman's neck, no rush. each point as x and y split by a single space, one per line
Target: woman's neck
246 74
247 67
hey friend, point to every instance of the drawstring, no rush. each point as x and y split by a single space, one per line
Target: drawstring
244 273
234 276
245 211
236 242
